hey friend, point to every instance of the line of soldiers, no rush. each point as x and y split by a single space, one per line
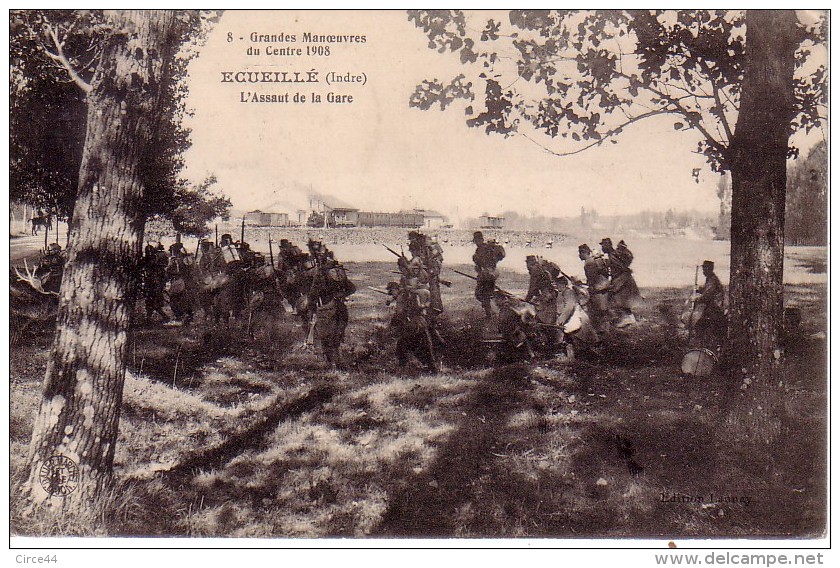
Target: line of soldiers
231 281
550 316
557 313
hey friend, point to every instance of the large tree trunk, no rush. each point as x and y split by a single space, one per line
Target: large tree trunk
80 405
758 166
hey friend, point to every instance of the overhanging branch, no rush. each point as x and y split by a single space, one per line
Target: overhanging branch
613 132
60 58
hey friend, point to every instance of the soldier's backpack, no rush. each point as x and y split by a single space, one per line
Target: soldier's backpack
552 269
622 254
498 250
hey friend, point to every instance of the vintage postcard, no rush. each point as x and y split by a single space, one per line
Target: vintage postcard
528 276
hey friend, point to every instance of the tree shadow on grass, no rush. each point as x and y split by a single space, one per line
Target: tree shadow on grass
252 437
428 504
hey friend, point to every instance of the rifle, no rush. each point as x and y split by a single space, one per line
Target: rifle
430 343
385 292
693 306
270 252
471 277
242 233
217 236
310 339
550 325
392 251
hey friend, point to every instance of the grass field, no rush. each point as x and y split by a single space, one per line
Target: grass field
224 435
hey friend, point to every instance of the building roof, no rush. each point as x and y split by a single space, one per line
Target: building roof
429 213
332 202
279 207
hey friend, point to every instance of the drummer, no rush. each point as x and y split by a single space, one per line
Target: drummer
711 325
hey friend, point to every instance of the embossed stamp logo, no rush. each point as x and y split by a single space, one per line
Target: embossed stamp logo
59 475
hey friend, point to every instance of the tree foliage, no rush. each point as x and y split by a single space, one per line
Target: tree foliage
193 207
807 199
53 57
585 76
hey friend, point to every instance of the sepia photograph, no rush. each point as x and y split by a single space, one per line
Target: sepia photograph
522 277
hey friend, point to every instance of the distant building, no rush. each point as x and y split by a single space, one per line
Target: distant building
488 222
266 219
336 213
403 219
432 219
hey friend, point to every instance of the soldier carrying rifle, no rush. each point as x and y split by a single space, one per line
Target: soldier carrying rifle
487 255
411 323
326 308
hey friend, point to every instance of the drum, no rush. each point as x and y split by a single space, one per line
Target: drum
699 362
230 254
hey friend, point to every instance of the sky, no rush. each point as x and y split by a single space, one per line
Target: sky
378 154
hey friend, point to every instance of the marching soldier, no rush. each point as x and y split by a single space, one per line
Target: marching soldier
623 292
487 255
574 325
181 279
154 281
290 255
543 294
327 310
598 282
558 309
430 254
411 323
235 293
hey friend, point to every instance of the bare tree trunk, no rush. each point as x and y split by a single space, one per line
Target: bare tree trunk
80 406
758 166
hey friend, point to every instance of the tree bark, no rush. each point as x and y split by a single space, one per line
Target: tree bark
82 391
758 164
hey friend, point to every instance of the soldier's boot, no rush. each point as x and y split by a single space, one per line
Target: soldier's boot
625 320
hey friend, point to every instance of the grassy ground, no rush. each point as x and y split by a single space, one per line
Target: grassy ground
223 435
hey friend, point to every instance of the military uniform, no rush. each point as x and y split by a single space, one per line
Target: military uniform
487 255
711 325
154 281
431 257
624 294
517 325
326 304
543 293
410 322
597 273
180 274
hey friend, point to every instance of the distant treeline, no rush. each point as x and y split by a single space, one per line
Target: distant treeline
670 222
